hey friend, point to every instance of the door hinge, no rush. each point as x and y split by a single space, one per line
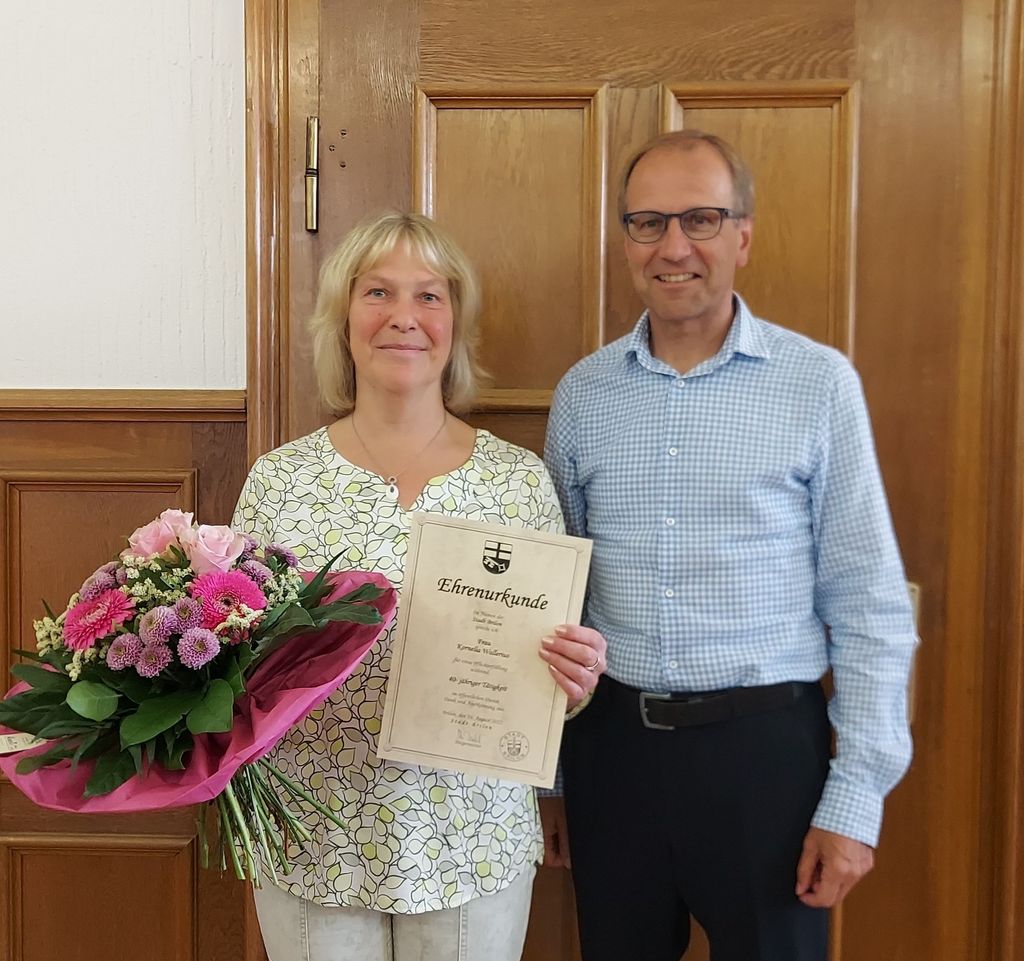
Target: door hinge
312 173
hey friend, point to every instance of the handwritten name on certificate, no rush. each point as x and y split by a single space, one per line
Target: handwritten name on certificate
467 690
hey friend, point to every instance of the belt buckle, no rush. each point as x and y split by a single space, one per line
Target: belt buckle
648 723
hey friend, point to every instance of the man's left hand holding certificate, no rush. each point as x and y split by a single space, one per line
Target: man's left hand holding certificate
467 691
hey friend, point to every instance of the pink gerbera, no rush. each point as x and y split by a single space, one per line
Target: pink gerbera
223 592
89 621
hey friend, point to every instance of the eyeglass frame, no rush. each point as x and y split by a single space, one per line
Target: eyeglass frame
726 213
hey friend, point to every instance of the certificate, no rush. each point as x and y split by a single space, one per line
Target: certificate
467 690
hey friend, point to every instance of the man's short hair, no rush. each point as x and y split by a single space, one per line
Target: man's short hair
742 178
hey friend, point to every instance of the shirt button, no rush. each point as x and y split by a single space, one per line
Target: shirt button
670 593
673 664
680 382
673 451
670 521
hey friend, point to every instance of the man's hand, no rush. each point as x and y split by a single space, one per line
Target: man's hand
556 833
829 867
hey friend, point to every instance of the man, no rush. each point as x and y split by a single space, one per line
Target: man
725 470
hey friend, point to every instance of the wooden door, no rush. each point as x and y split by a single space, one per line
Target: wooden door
870 127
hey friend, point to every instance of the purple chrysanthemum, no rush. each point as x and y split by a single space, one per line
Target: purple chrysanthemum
157 625
124 651
259 572
276 550
250 547
188 612
95 584
121 576
197 647
153 659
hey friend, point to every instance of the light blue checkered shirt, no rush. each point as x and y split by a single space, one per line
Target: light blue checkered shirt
735 511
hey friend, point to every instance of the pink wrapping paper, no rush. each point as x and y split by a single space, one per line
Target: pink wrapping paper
292 681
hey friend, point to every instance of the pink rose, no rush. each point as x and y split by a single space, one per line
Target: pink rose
178 521
168 530
212 548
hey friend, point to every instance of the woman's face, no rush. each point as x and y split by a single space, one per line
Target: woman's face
400 324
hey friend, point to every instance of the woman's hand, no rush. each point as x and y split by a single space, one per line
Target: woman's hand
576 659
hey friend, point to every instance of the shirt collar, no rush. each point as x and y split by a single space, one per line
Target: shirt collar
746 337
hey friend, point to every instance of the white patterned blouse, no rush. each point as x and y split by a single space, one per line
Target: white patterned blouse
418 839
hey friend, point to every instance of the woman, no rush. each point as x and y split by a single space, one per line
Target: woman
435 865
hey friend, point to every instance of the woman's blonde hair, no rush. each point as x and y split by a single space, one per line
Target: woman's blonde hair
365 245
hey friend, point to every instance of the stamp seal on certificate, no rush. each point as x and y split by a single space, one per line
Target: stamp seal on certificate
514 745
467 690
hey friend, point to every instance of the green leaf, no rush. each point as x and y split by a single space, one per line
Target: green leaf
175 757
133 687
156 715
16 706
34 711
271 618
28 765
245 656
316 587
31 655
93 700
111 771
294 617
343 611
84 745
135 752
213 713
63 727
365 592
41 679
105 742
49 613
233 675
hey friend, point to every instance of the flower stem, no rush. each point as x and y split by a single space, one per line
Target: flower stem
228 837
243 830
299 791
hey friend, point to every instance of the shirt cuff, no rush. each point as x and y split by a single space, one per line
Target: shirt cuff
850 811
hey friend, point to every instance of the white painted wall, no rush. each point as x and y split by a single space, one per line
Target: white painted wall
122 205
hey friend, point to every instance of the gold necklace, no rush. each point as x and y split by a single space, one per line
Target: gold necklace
392 479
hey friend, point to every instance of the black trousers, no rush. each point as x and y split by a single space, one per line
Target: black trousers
705 821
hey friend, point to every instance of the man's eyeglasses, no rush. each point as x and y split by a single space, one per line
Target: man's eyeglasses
698 223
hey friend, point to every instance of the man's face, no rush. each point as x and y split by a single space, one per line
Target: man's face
682 281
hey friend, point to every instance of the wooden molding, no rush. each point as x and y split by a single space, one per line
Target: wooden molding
839 96
175 405
181 482
506 401
266 167
1004 624
592 100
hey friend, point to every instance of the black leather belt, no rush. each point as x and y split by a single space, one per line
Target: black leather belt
666 712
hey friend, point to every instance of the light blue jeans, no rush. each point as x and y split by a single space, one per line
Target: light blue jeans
490 928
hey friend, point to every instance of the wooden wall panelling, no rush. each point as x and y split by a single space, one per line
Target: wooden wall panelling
78 471
59 525
108 896
800 137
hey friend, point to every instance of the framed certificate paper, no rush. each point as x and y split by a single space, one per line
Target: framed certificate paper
467 690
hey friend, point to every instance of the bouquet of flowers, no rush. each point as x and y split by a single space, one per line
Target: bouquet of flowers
174 669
